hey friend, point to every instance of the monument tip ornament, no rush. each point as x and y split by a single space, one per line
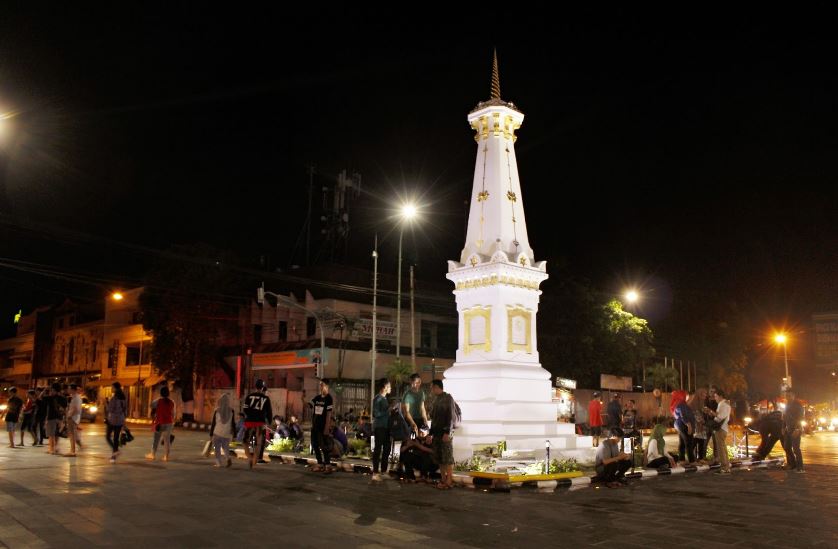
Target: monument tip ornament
504 393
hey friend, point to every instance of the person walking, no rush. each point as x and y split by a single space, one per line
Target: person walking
222 428
257 415
55 404
792 426
381 430
13 410
321 427
721 417
115 413
73 418
685 425
595 416
41 414
27 425
164 422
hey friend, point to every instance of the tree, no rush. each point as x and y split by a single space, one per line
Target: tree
582 334
188 311
399 373
659 377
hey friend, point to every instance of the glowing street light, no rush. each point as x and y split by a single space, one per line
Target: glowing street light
632 296
117 296
782 339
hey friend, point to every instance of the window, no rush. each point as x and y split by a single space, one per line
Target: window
257 334
447 337
93 350
427 338
311 326
137 353
71 351
283 330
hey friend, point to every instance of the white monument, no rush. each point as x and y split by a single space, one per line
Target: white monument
497 379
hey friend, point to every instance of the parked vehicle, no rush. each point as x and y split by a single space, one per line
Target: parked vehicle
89 410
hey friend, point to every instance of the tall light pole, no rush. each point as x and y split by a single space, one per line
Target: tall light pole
408 212
374 319
782 339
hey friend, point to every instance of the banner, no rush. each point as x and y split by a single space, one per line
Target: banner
287 359
384 329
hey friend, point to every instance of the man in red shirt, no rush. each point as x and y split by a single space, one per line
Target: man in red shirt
595 416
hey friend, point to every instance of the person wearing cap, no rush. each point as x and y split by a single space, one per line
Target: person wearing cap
611 463
257 415
595 416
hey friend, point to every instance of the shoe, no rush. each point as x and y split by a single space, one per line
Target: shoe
722 472
376 477
149 456
113 459
216 465
229 462
261 461
69 455
165 458
622 480
799 470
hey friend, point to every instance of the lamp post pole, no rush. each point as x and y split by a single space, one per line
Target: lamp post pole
260 298
374 319
786 359
399 297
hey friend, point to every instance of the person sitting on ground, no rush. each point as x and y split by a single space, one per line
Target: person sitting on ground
363 430
611 463
339 443
656 456
281 430
295 431
417 455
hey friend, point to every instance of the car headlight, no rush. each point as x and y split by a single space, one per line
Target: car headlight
93 409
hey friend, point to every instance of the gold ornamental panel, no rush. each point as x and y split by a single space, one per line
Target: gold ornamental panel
478 329
518 329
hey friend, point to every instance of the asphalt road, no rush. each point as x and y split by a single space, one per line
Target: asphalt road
53 501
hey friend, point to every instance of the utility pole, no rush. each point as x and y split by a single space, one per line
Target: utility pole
308 216
374 318
412 325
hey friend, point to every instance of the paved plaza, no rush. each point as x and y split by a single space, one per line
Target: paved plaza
52 501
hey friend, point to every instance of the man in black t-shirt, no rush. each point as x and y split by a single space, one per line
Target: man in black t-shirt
321 427
257 414
13 414
56 404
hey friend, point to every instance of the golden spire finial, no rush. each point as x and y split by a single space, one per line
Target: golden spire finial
495 77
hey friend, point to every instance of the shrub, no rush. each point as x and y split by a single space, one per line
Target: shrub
281 445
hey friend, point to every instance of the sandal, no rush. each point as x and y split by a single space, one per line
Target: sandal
316 469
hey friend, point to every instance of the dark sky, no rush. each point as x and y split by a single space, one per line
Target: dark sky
694 156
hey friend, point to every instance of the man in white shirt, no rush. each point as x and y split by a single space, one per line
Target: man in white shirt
721 416
73 418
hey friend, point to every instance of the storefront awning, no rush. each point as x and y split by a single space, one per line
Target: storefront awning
283 367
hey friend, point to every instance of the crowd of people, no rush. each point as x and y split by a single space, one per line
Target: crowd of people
699 419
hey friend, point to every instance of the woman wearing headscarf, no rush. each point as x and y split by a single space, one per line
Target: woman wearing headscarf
656 456
222 429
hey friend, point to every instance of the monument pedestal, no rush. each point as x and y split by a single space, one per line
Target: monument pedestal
510 402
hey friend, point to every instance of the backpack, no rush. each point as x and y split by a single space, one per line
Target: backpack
397 424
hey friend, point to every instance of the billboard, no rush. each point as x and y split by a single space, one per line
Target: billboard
287 359
826 340
384 329
615 383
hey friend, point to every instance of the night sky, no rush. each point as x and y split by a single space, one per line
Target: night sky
692 156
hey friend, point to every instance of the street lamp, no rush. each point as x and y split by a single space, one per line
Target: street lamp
782 339
408 213
631 296
117 296
319 315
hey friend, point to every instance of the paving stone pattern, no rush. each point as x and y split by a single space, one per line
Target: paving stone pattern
49 501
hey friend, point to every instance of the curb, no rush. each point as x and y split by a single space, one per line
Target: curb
188 425
500 485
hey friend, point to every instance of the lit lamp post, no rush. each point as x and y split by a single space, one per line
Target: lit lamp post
260 298
782 339
631 296
407 213
747 420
